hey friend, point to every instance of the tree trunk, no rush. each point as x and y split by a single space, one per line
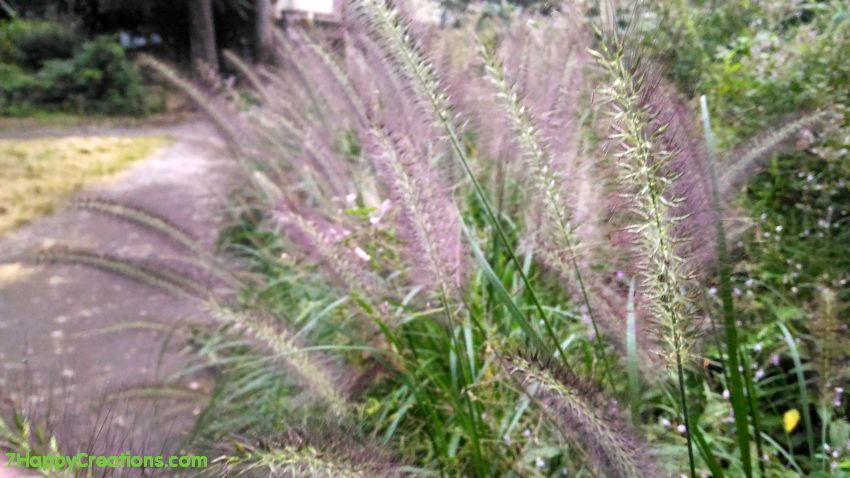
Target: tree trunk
263 25
202 34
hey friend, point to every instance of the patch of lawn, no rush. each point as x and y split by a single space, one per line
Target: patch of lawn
38 174
56 121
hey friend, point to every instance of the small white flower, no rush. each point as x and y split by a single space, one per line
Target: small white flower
794 290
539 462
726 394
350 198
526 433
362 254
712 291
376 216
758 347
759 374
681 429
665 423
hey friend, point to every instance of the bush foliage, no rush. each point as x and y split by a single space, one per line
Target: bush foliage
45 66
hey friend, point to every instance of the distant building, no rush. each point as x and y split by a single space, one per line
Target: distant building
331 11
298 11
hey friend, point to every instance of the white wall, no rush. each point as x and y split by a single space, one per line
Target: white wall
308 6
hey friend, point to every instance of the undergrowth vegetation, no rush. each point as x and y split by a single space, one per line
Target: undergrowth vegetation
516 249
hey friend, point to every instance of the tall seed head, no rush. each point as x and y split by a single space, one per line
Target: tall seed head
585 418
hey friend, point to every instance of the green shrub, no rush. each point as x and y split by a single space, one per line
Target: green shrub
14 85
783 58
30 43
97 79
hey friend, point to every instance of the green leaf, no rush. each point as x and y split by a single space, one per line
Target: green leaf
503 294
739 405
801 388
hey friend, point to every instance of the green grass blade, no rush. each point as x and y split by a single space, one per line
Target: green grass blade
801 386
739 404
706 453
789 458
632 367
503 294
752 400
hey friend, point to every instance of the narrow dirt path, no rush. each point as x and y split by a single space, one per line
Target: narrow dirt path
79 343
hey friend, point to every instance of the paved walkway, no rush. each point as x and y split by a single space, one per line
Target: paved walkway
65 345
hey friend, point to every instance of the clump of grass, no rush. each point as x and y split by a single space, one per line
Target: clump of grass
324 452
430 218
644 170
312 375
583 415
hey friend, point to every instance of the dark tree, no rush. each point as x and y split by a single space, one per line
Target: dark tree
263 25
202 42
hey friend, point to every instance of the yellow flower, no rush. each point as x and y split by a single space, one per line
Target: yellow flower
791 418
